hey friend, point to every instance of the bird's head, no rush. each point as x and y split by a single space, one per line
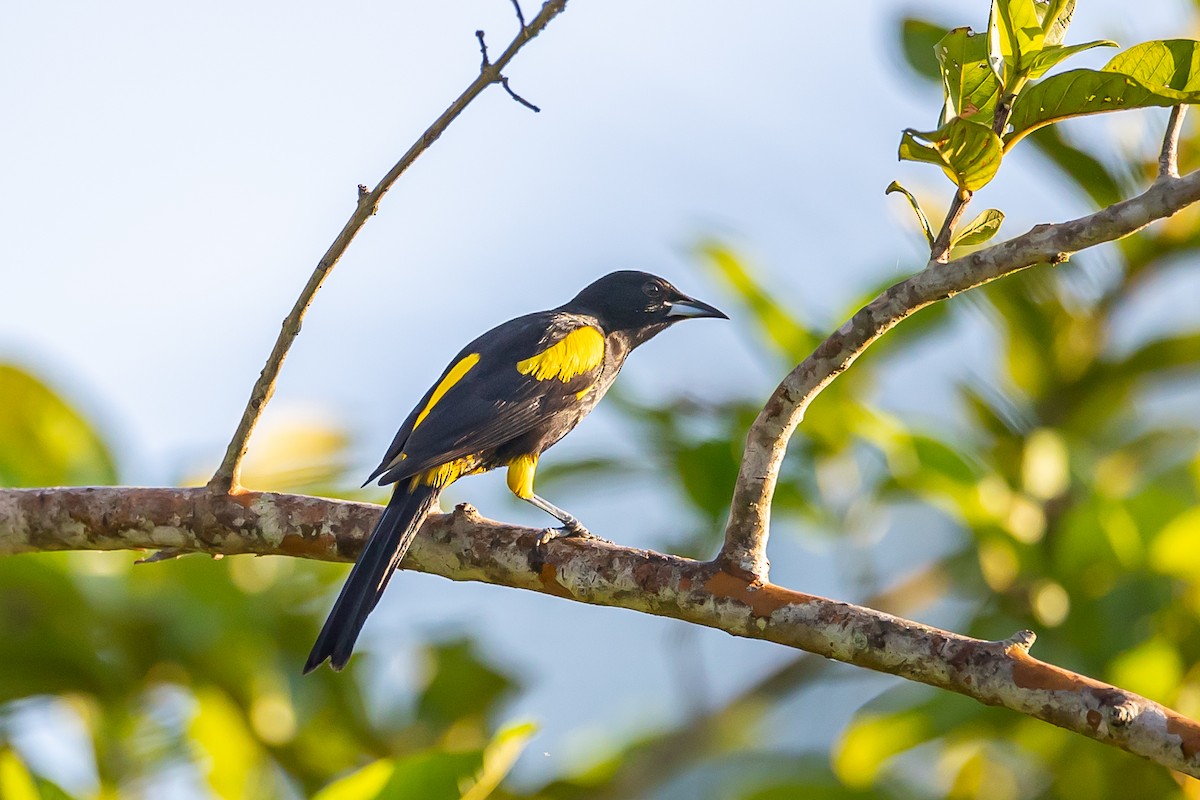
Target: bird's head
638 303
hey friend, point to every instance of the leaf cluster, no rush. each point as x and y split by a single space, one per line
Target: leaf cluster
996 92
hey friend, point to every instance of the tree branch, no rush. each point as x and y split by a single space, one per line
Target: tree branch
714 732
1168 160
463 546
744 550
227 477
941 245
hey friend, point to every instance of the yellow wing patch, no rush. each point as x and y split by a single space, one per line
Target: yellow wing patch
580 351
455 375
447 473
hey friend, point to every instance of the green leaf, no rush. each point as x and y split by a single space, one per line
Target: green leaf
367 782
433 774
16 783
969 153
1080 92
789 336
498 758
1084 169
707 469
1055 17
234 756
980 229
1158 73
918 38
895 187
1153 668
43 440
1052 55
1167 64
1173 551
438 773
464 685
1015 34
970 85
1163 355
871 739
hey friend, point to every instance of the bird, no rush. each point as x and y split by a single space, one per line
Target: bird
503 400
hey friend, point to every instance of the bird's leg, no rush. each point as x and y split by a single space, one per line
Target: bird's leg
571 526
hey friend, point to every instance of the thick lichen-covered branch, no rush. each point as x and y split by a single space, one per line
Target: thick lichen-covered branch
463 546
746 534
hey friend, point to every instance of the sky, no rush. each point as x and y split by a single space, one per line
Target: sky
170 173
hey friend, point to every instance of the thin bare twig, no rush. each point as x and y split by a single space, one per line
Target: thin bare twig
744 550
484 62
228 474
1168 160
503 79
463 546
517 97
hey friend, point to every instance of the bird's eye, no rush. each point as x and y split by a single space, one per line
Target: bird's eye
652 290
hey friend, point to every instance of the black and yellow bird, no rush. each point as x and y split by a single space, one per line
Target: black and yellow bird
504 399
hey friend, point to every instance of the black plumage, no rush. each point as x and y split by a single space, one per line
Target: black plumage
503 400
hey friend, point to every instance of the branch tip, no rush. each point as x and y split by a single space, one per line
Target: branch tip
1021 640
485 62
517 97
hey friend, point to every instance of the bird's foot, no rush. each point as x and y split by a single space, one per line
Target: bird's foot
569 531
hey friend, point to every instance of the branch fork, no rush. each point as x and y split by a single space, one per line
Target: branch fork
746 534
492 73
227 478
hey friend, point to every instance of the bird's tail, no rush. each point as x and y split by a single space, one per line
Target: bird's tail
385 547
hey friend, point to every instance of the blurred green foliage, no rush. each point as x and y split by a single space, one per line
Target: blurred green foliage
45 442
1069 475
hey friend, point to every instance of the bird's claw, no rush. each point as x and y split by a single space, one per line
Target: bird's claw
568 531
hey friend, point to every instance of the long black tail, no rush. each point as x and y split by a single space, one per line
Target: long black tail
370 575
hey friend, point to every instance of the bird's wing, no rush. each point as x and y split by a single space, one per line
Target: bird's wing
497 388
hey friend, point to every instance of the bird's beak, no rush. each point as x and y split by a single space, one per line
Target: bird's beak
686 307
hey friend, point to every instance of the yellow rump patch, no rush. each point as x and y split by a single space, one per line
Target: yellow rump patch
447 473
520 475
455 375
580 351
